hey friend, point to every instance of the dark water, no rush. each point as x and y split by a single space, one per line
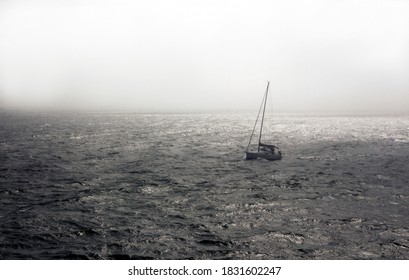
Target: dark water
140 186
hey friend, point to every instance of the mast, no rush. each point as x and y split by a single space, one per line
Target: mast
262 119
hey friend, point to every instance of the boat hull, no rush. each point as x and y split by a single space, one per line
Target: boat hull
264 155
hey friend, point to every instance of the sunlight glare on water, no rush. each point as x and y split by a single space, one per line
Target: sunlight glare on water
172 186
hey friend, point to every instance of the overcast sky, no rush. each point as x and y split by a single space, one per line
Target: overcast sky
153 55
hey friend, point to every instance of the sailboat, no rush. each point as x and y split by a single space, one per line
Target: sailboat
265 151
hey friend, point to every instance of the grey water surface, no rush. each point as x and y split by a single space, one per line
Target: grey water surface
175 186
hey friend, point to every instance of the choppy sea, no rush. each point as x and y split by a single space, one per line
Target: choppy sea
175 186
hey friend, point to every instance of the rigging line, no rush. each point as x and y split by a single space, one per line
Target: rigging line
262 119
271 118
255 124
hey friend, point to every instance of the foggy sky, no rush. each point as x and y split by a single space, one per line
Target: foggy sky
186 55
